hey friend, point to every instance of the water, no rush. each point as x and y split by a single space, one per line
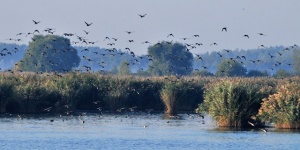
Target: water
135 132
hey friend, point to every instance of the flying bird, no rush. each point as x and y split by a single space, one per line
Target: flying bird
261 34
129 32
142 16
246 35
36 22
271 55
88 24
86 32
170 35
224 29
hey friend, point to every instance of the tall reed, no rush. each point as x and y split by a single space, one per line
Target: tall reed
232 102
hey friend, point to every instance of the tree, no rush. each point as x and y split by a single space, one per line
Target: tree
296 60
114 70
49 53
202 73
257 73
124 68
230 68
281 73
170 58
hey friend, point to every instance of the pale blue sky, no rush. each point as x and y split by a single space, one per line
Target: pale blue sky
277 19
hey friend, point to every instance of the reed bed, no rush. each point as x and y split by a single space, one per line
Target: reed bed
232 102
64 93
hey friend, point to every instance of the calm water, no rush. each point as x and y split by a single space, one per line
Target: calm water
128 132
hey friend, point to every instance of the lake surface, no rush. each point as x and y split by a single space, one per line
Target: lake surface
139 131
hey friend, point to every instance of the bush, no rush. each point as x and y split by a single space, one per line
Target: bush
232 102
283 107
169 95
181 95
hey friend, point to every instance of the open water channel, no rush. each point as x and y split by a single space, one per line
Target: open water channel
139 131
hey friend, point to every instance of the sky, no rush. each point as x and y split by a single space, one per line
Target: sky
278 20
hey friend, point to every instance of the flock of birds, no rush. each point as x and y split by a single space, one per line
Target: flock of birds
89 56
111 42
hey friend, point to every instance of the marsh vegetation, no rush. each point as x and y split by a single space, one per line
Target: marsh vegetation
232 102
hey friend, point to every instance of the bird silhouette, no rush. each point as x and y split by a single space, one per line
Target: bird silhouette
224 29
170 35
142 16
220 54
246 35
261 34
271 55
88 24
85 32
36 22
129 32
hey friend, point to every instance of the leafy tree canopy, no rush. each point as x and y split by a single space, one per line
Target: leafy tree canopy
124 68
170 58
202 73
49 53
281 73
230 68
257 73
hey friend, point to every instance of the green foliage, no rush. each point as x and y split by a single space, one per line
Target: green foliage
233 101
124 69
230 68
261 56
181 95
170 58
257 73
202 73
281 73
169 95
283 107
114 70
49 53
6 92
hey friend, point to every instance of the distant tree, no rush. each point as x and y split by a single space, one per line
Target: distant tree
257 73
114 70
10 54
124 68
296 61
202 73
170 58
142 73
281 73
230 68
49 53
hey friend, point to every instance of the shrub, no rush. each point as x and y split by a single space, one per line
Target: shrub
232 102
283 107
169 95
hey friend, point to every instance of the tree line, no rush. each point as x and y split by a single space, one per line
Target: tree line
53 53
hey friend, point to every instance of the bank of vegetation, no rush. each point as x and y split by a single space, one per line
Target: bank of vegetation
232 102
